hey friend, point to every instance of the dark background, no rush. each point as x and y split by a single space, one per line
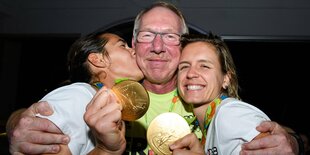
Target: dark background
273 72
269 41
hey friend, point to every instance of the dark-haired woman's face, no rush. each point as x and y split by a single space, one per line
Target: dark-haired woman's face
122 59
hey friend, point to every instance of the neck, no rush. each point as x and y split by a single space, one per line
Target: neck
200 113
160 88
209 110
107 82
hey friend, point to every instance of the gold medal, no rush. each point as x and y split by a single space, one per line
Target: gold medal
133 97
165 129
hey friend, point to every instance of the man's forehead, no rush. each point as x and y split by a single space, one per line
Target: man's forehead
159 24
162 17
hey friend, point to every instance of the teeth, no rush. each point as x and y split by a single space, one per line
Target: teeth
194 87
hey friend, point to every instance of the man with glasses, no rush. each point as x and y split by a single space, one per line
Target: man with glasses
156 36
156 39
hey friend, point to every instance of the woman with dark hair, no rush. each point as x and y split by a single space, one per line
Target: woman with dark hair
94 61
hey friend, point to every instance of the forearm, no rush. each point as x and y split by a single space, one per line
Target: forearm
297 143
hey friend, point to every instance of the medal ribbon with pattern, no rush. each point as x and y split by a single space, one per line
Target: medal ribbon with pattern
209 115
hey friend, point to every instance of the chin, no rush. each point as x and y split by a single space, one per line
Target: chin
137 78
193 101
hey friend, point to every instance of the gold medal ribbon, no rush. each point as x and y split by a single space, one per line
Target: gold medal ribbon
210 113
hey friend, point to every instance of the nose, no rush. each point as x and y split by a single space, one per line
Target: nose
192 73
158 44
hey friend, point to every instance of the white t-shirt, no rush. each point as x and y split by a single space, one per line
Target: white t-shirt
233 124
69 105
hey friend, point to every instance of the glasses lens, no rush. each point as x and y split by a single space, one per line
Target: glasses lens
171 38
167 38
145 37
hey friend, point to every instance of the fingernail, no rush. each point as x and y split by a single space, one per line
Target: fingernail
55 148
65 140
45 108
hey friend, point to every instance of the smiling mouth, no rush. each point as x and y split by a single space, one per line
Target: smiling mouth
194 87
157 59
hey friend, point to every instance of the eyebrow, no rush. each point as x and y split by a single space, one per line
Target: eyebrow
200 61
121 40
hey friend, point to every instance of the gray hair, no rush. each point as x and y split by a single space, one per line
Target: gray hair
164 5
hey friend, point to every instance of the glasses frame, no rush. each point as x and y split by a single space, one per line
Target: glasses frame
161 36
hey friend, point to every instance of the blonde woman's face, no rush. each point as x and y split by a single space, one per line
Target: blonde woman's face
199 76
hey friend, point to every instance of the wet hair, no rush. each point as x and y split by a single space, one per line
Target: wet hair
155 5
224 55
78 67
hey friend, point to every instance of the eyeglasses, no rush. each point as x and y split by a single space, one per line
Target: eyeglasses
172 39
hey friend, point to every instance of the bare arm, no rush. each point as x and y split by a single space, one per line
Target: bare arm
278 142
29 134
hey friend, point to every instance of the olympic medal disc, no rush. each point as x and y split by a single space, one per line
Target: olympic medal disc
133 97
164 130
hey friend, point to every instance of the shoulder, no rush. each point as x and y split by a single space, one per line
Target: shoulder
235 119
70 95
236 107
233 111
73 90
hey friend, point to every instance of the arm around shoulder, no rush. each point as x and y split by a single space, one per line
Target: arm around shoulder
29 134
278 142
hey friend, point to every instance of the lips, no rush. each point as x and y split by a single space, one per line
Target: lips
157 63
157 59
194 87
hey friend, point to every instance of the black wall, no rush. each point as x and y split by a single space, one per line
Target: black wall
273 73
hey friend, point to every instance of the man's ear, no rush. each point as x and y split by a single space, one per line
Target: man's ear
96 59
132 42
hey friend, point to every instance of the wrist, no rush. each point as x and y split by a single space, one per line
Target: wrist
300 143
99 150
